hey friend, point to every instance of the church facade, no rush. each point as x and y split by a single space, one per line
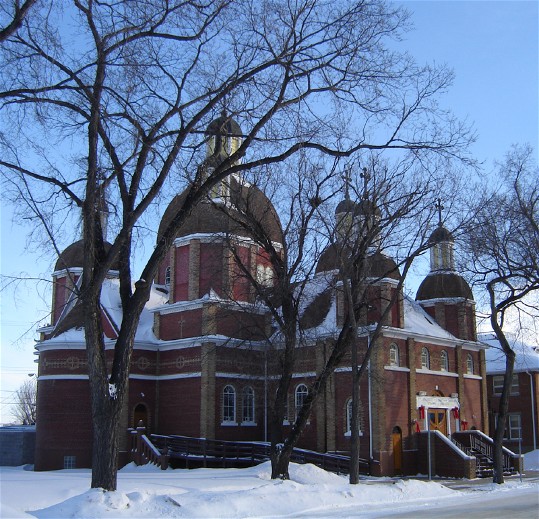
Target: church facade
203 366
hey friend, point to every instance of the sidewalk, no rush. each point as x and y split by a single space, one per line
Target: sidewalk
531 476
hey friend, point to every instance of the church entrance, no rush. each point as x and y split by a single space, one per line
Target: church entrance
437 420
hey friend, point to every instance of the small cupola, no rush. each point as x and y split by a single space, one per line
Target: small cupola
224 137
441 246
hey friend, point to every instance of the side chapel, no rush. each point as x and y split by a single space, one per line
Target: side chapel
202 367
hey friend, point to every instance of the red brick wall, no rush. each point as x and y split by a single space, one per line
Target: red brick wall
180 325
64 426
211 268
181 273
179 407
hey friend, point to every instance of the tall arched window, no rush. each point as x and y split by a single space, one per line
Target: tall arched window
348 416
248 405
444 361
469 364
394 355
229 404
301 395
167 276
425 358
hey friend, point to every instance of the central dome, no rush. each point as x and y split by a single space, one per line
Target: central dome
216 217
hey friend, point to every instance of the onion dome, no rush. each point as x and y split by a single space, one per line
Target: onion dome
346 206
441 234
224 125
211 218
73 257
378 265
444 285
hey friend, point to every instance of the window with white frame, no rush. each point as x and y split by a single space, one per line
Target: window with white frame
394 355
469 364
513 429
248 405
301 395
444 361
167 276
425 358
497 384
229 404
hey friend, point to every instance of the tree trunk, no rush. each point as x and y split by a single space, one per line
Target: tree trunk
106 444
506 391
280 461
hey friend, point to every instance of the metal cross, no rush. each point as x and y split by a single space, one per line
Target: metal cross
438 205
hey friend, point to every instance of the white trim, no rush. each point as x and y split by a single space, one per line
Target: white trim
137 376
196 304
449 300
59 345
451 342
304 375
217 340
207 237
474 377
424 371
396 368
70 270
437 402
62 377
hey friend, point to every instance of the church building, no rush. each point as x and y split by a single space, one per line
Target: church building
202 364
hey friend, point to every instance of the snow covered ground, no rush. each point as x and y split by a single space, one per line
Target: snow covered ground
235 493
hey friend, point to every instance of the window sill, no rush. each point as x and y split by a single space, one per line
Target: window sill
248 424
348 434
229 424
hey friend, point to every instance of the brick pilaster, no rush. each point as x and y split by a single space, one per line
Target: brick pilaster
194 269
208 396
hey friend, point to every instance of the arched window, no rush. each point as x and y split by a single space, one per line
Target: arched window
301 395
229 404
444 361
248 405
394 355
469 364
167 276
348 416
348 425
425 358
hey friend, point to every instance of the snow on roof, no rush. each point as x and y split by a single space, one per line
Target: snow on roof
111 303
527 355
417 321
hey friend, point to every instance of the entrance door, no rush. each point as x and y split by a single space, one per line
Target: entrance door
140 414
396 438
437 420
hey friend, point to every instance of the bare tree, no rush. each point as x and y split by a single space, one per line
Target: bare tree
503 246
389 209
25 403
15 17
115 98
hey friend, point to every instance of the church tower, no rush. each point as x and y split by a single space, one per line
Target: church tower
444 293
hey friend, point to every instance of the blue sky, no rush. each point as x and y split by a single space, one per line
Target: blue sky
492 47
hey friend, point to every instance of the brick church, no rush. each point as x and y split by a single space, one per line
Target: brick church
203 366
